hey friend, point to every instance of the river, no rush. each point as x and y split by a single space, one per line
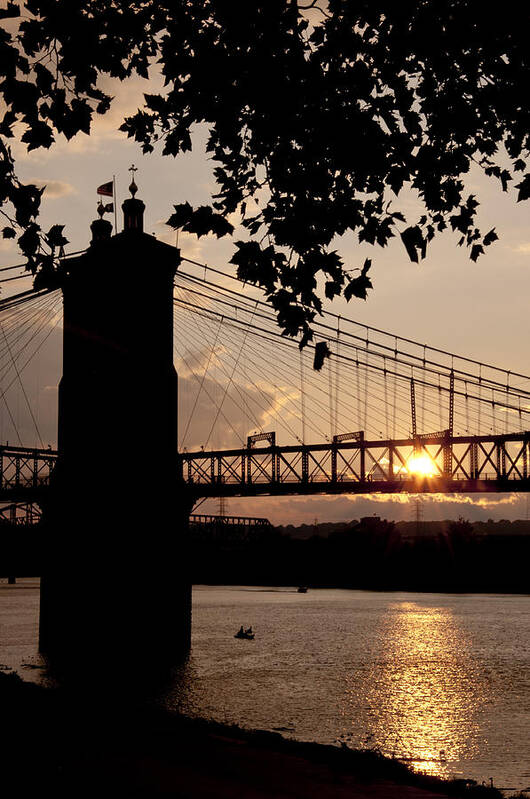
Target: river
440 680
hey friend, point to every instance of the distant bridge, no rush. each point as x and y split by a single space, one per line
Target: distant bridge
25 472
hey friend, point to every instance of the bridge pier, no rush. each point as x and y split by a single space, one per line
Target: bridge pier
115 595
115 598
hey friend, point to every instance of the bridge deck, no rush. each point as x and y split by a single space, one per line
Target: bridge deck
435 464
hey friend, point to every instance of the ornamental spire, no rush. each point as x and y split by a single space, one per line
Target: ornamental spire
133 188
133 208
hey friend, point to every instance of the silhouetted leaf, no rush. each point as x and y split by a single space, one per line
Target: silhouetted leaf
476 250
490 237
29 241
11 10
8 233
413 241
38 135
55 236
7 123
321 353
505 177
332 289
200 221
524 189
358 286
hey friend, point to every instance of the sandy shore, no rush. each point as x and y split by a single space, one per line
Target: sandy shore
72 745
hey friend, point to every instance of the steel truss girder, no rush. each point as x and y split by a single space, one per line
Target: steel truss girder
477 463
461 464
21 514
24 471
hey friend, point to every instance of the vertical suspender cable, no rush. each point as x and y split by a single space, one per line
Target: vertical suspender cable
330 392
423 393
385 399
358 377
479 396
365 415
451 401
395 395
302 395
507 401
337 380
440 411
413 404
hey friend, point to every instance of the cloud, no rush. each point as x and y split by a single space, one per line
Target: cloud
7 244
197 361
305 509
214 411
54 189
523 248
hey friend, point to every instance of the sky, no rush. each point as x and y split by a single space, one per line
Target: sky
480 310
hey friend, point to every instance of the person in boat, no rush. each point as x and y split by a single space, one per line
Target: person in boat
241 631
249 631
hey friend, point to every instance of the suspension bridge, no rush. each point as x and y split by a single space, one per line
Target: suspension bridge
385 414
422 420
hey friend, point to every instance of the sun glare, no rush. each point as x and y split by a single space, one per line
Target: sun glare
422 465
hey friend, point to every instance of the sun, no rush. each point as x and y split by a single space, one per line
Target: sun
422 465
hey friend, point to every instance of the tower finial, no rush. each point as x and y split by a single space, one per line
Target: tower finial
133 208
133 188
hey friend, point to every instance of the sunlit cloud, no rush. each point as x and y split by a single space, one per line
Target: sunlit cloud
489 501
53 189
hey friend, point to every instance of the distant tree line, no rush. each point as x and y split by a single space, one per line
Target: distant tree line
370 554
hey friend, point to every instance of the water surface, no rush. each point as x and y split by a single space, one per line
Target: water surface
441 680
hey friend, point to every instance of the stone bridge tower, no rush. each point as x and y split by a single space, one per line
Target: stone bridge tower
115 591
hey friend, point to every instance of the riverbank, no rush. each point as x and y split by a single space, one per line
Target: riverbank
72 745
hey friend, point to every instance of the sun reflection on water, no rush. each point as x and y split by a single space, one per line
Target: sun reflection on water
423 700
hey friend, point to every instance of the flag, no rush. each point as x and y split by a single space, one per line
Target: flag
106 189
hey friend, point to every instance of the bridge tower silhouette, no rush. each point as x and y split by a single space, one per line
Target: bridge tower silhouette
114 586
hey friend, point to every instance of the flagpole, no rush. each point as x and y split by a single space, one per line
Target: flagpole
115 205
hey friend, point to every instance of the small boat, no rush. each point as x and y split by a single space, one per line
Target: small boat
245 634
302 589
